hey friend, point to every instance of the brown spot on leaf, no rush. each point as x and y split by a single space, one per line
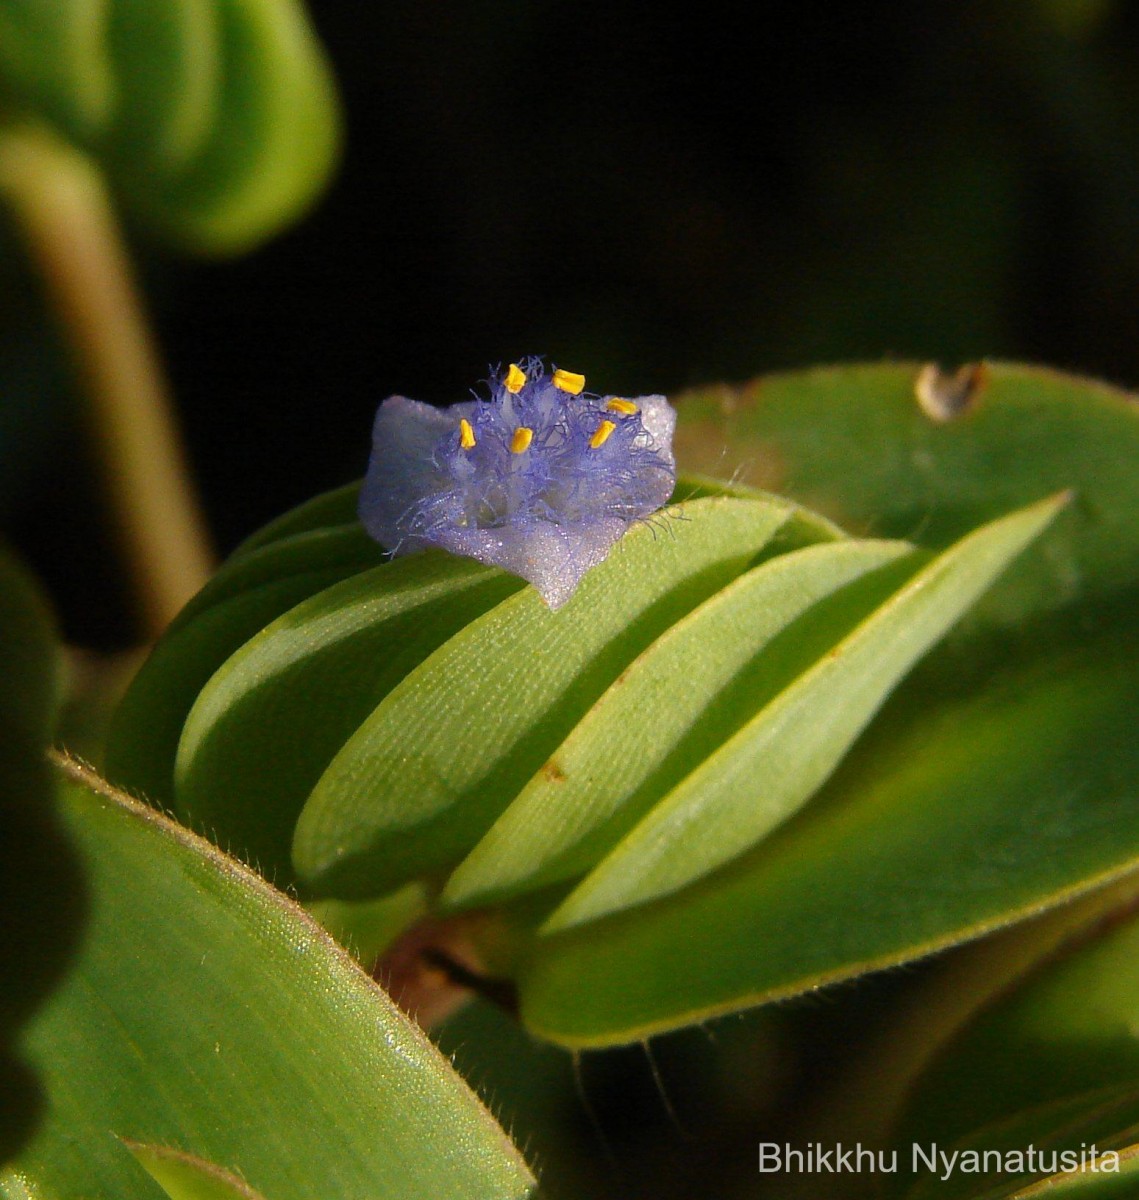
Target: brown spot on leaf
946 395
553 773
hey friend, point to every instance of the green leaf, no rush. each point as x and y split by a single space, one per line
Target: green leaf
854 443
1021 1149
145 729
340 550
368 927
291 1070
450 746
1066 1029
337 507
272 718
946 820
776 762
699 681
184 1176
216 120
247 593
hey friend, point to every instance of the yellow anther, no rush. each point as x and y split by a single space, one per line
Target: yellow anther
466 434
567 381
515 379
521 440
625 407
601 436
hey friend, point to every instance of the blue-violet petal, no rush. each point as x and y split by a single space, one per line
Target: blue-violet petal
541 478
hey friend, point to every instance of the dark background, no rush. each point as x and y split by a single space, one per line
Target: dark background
653 196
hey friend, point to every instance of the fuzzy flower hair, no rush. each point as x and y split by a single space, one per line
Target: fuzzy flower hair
541 478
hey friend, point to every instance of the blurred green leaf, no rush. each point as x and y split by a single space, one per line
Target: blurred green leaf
290 1068
54 54
436 762
1070 1027
41 893
776 762
875 1084
29 667
1021 1149
217 120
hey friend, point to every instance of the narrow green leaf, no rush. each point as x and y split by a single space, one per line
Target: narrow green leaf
944 822
428 772
337 507
775 763
662 717
803 527
246 594
185 1176
274 715
339 549
292 1070
145 729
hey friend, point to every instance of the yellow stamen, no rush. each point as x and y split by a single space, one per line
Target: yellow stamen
515 379
567 381
466 434
625 407
601 436
521 440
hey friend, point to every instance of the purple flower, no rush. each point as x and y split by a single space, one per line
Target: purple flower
540 479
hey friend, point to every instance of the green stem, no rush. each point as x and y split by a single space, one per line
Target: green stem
68 221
